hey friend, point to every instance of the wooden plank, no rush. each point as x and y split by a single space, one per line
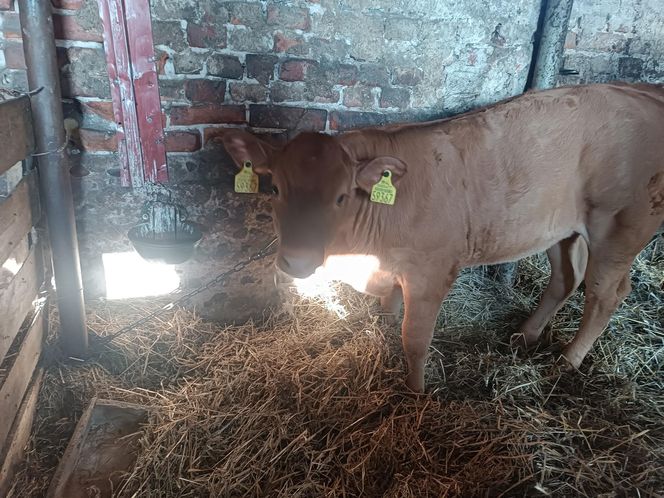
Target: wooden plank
15 220
12 265
146 89
102 448
118 63
16 135
19 374
14 454
116 96
16 301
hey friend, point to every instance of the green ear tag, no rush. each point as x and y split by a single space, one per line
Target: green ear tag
384 192
246 181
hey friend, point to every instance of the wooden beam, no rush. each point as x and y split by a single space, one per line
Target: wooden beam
16 301
19 436
19 374
116 45
15 220
16 135
146 89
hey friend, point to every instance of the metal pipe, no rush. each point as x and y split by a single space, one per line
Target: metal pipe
55 187
549 52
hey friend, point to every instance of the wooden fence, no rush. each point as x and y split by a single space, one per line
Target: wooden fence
23 322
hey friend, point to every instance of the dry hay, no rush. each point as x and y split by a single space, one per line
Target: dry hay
313 405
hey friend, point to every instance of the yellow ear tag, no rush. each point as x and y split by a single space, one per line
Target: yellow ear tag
384 192
246 181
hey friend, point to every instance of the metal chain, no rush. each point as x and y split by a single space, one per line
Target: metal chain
267 250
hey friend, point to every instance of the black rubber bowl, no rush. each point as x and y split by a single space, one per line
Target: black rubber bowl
169 248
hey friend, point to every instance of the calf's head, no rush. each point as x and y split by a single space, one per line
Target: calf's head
317 185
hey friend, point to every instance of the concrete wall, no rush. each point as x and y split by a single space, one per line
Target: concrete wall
283 66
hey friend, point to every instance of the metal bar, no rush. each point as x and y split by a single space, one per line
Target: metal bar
55 186
549 54
146 89
118 59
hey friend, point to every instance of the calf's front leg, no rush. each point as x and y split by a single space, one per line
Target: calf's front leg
422 301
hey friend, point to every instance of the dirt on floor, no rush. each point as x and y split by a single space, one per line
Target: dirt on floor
312 403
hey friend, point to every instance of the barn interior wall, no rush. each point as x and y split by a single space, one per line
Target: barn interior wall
279 67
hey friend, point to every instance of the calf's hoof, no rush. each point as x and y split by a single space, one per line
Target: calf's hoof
569 360
521 342
415 383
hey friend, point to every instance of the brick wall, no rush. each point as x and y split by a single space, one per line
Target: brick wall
279 66
616 39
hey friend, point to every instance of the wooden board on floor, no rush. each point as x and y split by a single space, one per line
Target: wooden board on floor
104 445
18 371
16 135
19 436
16 300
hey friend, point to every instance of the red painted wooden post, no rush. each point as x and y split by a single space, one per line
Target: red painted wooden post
146 89
134 90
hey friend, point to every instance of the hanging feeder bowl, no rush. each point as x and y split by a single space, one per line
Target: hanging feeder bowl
165 236
170 248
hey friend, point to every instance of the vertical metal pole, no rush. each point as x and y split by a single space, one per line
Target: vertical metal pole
549 56
55 187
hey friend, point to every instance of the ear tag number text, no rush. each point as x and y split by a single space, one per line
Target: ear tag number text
246 181
384 192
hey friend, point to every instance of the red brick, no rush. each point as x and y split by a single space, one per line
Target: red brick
206 35
288 17
283 43
413 77
68 28
248 92
96 141
288 118
208 114
295 69
14 58
347 120
205 90
570 40
11 26
103 109
261 67
395 97
358 96
67 4
6 4
183 141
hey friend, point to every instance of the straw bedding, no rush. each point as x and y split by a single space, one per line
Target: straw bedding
309 404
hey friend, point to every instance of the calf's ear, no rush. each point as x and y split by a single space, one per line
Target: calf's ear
243 146
369 172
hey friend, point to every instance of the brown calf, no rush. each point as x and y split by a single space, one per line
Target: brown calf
578 172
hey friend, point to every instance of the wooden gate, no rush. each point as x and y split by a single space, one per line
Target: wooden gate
23 321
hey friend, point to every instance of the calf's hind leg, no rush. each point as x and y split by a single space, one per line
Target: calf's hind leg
606 287
614 243
568 260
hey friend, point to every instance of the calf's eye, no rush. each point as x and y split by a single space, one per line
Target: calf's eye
275 190
341 199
